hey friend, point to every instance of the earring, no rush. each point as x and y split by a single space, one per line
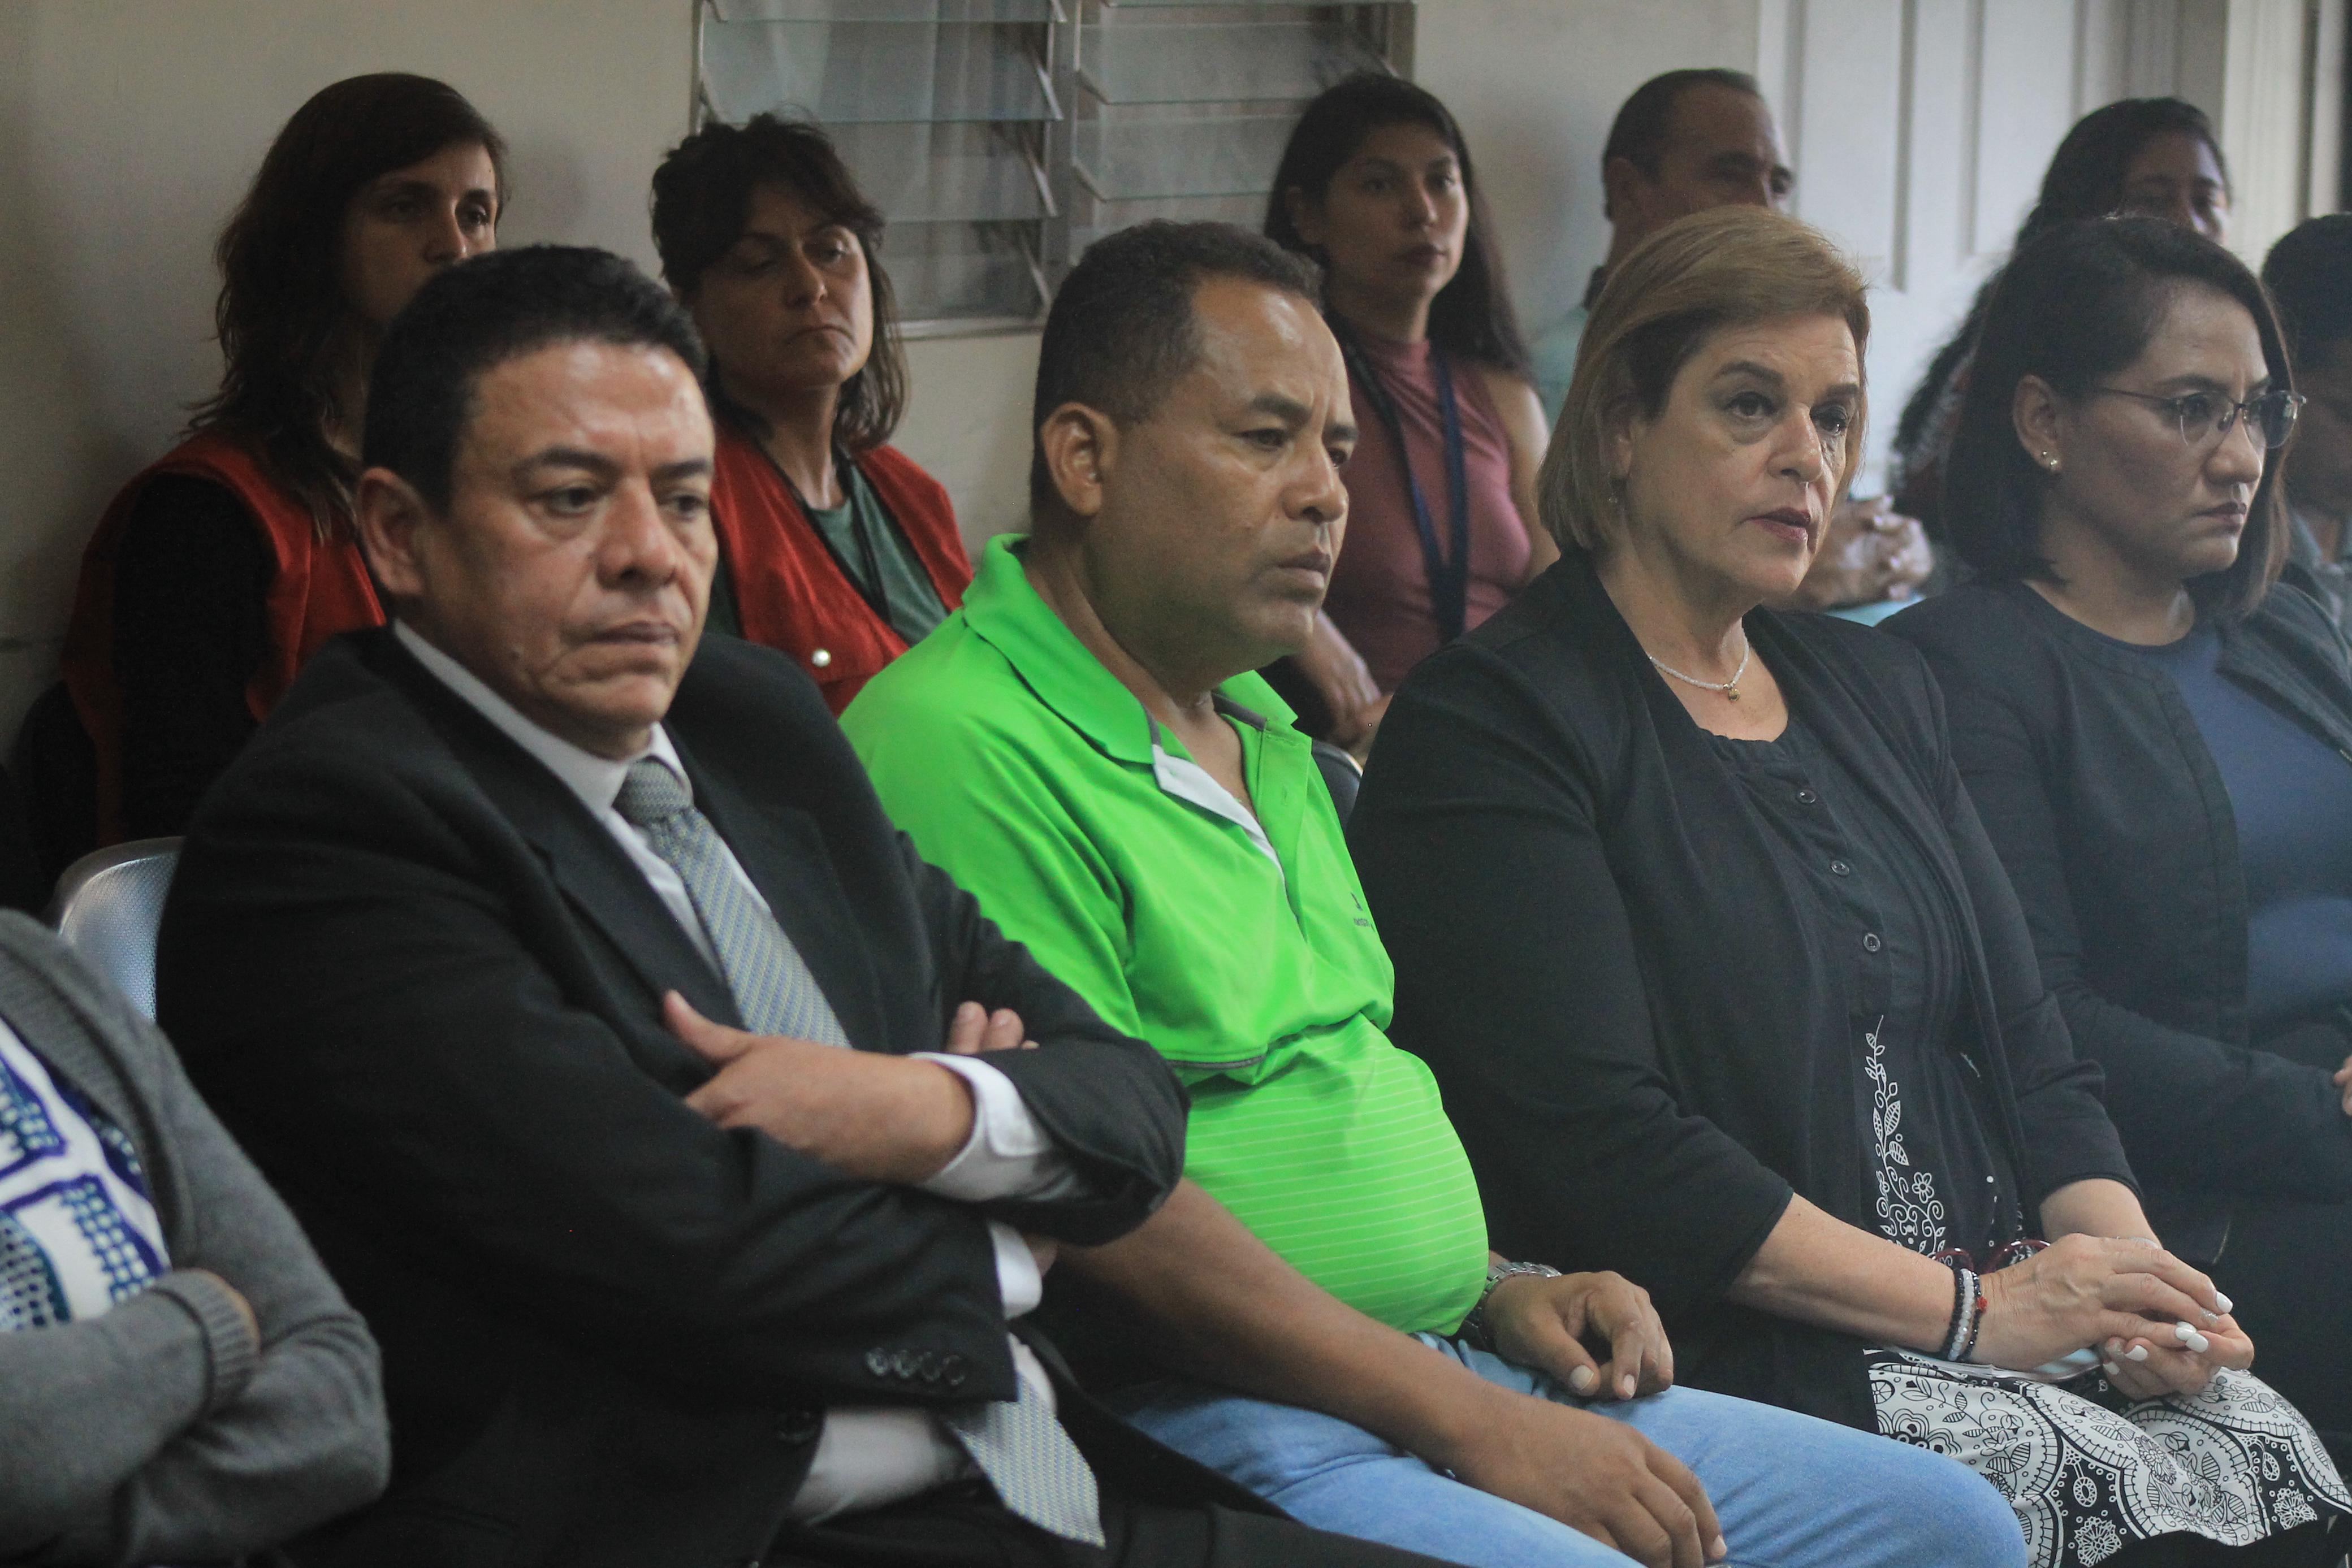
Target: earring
2050 460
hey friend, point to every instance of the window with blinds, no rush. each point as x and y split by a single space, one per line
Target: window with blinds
1001 137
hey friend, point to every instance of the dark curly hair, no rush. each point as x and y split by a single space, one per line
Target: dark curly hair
702 199
1472 315
281 304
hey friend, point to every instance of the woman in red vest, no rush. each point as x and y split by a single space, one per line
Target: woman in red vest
834 546
219 570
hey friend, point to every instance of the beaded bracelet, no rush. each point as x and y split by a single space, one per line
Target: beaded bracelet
1968 1313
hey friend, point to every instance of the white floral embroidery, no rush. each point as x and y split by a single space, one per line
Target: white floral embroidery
1909 1212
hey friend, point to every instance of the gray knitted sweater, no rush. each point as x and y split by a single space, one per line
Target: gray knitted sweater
160 1431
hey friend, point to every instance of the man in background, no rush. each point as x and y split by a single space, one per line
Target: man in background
1684 142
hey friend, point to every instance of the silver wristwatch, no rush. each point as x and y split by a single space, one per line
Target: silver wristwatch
1473 1327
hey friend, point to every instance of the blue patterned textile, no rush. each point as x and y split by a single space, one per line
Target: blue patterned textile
78 1228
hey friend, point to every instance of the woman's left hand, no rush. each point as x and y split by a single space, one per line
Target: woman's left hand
1557 1324
2150 1369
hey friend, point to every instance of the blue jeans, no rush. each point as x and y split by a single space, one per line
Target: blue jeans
1790 1491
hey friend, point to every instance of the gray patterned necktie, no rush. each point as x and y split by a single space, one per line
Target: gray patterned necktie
1017 1443
775 991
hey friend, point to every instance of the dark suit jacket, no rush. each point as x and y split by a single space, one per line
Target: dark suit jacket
422 984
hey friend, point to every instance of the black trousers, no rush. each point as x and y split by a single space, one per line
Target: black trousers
964 1527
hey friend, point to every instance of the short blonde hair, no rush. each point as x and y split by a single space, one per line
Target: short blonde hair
1727 266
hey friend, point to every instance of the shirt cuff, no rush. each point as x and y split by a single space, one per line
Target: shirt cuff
1017 1279
1008 1155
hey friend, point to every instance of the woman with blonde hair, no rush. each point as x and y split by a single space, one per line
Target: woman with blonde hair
1725 986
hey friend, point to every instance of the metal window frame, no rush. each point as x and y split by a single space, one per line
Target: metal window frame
1388 27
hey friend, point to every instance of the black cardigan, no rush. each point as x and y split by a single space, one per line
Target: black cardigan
1597 956
2116 829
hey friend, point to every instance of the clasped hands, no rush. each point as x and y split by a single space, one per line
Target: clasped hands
872 1116
2159 1326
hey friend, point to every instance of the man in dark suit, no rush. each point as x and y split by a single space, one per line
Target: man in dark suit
522 948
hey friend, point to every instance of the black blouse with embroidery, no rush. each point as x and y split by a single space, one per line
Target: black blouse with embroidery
1930 1176
1639 987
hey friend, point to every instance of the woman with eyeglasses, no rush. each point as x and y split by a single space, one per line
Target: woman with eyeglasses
2158 734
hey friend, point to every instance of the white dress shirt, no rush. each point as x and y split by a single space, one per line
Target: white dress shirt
869 1455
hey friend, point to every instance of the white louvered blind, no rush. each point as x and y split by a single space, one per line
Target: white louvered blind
1001 137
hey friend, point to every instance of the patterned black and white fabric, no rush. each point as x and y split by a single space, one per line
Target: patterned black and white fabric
78 1232
2089 1471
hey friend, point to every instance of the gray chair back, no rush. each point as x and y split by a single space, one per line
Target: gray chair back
108 905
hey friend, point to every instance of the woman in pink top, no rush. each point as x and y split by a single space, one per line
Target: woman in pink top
1376 185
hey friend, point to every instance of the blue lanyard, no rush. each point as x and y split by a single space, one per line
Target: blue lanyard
1448 569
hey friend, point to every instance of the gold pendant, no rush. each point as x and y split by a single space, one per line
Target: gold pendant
1732 692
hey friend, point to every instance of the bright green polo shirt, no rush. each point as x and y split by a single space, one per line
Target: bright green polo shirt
1021 766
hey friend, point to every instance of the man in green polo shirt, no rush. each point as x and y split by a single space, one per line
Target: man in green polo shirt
1083 746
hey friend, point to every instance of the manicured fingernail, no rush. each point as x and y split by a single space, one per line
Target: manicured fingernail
1582 1379
2111 1369
1720 1549
2136 1352
2183 1332
2222 1301
1626 1386
2199 1343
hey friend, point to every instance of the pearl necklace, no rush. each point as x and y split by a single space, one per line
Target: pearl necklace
1729 689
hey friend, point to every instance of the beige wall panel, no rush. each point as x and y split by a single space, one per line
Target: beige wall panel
2026 104
1843 114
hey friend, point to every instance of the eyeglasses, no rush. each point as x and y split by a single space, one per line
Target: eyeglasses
2209 415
